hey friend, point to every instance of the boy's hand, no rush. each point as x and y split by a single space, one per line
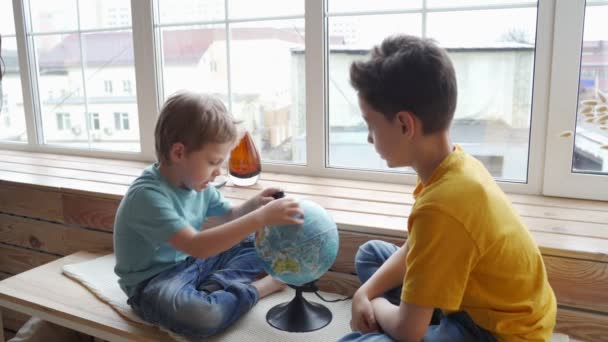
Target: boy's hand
265 196
363 318
281 211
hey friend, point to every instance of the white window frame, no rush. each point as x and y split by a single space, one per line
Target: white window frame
94 118
559 180
316 98
29 85
120 118
108 86
66 121
551 58
127 87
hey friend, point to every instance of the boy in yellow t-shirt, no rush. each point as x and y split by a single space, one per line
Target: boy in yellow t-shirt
470 267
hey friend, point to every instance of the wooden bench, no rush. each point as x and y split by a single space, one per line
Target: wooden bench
65 302
53 205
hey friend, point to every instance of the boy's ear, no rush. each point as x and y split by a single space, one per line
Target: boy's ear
178 151
406 120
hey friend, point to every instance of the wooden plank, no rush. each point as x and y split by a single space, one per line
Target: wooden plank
358 206
93 212
349 245
407 190
81 159
50 237
68 303
579 283
576 247
16 260
339 283
101 177
27 201
584 326
574 228
133 168
90 165
13 320
59 184
370 204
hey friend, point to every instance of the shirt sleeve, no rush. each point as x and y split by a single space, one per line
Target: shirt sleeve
153 216
441 257
218 205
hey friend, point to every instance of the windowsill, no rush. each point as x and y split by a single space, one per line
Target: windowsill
561 226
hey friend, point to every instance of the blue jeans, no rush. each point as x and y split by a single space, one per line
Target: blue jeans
455 327
175 299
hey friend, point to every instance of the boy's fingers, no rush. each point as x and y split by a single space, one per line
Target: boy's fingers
270 191
266 200
295 211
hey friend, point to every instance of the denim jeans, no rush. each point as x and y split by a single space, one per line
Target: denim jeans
455 327
175 300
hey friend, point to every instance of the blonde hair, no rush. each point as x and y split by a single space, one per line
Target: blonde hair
194 120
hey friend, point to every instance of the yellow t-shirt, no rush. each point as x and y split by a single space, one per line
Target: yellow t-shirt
469 251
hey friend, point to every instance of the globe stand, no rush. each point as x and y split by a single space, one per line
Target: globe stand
299 315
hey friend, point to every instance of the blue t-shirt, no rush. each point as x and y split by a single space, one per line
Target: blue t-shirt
149 214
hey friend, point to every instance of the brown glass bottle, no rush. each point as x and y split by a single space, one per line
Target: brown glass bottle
244 165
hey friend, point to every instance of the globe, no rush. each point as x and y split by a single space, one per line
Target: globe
299 254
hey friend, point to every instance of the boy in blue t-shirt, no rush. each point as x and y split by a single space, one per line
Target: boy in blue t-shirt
191 281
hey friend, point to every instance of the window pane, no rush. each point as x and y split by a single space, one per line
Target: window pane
492 119
270 97
184 11
591 141
109 62
367 5
260 8
350 39
60 86
194 58
464 3
7 25
502 28
100 14
80 73
52 16
12 114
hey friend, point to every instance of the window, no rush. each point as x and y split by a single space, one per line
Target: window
95 125
121 121
577 139
78 49
492 120
527 72
126 87
13 127
591 140
108 87
63 121
4 103
243 55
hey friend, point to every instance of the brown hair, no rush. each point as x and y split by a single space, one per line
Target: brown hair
194 120
407 73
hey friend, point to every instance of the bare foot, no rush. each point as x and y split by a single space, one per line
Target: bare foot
268 285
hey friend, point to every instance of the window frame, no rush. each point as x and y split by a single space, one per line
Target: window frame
559 180
542 178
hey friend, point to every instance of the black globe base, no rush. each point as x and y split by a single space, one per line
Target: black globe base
299 315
